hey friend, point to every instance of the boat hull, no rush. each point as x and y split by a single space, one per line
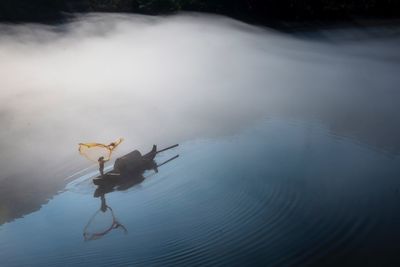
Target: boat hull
127 167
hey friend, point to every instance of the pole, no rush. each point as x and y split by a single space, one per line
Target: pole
167 148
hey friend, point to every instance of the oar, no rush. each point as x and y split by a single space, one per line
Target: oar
165 162
167 148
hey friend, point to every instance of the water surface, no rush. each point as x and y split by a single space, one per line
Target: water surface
280 193
288 156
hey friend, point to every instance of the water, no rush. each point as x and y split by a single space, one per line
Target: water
278 194
288 147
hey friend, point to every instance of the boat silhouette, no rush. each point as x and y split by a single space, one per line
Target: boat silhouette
128 171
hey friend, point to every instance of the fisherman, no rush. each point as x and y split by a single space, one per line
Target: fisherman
101 161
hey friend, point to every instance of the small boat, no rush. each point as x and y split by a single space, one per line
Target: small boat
130 167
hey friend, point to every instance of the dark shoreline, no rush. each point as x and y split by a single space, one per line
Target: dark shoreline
286 15
304 29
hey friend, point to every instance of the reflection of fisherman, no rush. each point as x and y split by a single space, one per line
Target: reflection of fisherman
101 161
104 206
93 230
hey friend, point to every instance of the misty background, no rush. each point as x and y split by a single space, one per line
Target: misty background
167 80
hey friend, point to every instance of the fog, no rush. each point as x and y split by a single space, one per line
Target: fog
167 80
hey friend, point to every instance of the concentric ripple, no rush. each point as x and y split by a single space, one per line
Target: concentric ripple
257 199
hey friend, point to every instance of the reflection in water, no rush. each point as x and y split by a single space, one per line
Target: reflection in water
93 231
282 193
128 172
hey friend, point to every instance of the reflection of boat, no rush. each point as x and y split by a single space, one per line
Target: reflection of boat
130 167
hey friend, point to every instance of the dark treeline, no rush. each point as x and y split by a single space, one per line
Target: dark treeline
255 10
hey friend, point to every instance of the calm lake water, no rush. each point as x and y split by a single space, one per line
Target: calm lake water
288 156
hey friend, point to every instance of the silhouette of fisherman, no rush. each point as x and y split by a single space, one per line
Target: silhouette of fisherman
101 161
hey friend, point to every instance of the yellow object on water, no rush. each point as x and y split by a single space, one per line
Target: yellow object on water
93 151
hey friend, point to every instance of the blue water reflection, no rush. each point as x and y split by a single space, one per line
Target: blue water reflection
281 193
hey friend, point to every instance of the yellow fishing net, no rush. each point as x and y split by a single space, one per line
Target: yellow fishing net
93 151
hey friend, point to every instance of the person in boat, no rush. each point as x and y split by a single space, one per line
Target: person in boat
101 161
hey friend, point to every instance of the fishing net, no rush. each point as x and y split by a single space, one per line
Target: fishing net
93 151
100 224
